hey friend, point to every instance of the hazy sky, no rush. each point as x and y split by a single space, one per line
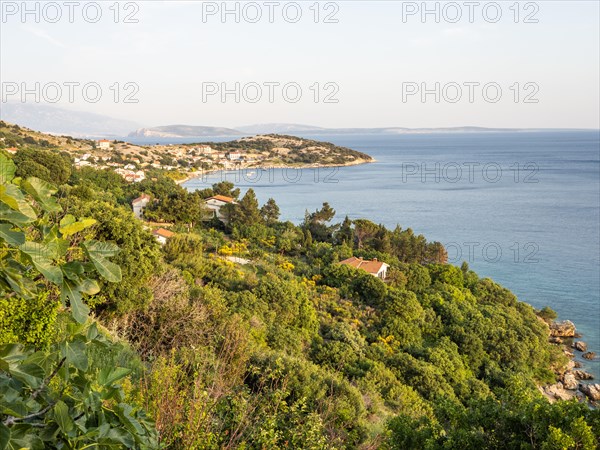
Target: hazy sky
376 52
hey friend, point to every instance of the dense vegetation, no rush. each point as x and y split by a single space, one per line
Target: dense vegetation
187 349
291 150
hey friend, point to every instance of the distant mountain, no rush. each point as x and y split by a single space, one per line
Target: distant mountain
279 128
57 120
402 130
184 131
290 128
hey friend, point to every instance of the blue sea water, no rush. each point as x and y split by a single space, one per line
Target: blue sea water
521 208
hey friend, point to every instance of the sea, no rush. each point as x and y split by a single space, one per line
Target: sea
522 208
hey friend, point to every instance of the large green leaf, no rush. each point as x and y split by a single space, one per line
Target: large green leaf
98 252
7 169
12 274
89 287
41 257
75 354
63 419
43 193
76 227
4 436
11 195
22 437
30 374
79 309
109 375
68 219
7 214
73 270
11 237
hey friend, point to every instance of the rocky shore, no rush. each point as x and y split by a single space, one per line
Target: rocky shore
573 382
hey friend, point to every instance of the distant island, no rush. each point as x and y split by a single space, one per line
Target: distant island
56 120
190 131
184 131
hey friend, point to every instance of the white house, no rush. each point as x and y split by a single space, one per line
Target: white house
139 204
104 144
374 267
162 235
234 156
215 204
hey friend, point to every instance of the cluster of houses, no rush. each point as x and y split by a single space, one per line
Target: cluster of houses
217 202
199 156
214 204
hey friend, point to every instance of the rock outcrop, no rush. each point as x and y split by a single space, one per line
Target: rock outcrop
565 328
580 345
583 375
569 381
558 392
591 390
589 355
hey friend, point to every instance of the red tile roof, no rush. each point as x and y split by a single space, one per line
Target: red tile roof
164 233
372 267
221 198
140 198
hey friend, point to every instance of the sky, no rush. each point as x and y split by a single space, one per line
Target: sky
329 64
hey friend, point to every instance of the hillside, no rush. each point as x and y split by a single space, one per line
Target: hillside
56 120
185 160
178 330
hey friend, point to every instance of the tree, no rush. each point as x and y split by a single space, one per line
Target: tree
248 212
38 248
323 215
345 234
139 256
56 398
316 223
49 166
270 212
225 188
60 399
364 229
180 207
370 289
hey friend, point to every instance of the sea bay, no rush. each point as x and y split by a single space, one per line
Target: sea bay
522 208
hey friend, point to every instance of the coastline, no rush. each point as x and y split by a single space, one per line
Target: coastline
574 382
202 173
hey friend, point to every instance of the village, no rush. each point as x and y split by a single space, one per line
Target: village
135 162
132 162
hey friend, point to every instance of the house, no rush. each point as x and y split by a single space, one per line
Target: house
162 235
139 176
11 150
139 204
374 267
104 144
234 156
215 204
